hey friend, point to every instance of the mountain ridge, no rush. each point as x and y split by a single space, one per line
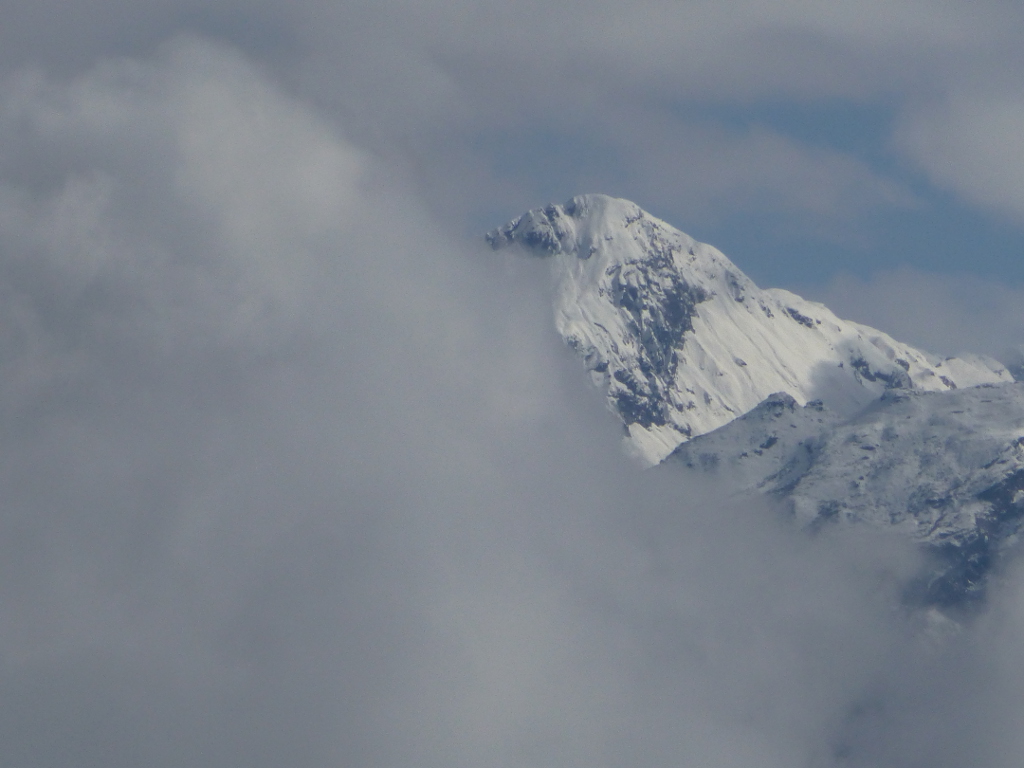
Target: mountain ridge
836 421
943 469
684 342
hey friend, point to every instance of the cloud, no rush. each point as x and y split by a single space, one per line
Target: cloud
941 313
430 85
708 169
294 476
643 89
969 144
233 387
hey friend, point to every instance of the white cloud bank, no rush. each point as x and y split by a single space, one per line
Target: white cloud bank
945 314
438 87
292 477
970 143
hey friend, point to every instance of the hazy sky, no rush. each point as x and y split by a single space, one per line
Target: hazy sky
296 472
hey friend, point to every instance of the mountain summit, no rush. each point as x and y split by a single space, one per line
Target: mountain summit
685 343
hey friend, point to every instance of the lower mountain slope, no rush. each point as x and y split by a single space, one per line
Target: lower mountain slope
945 469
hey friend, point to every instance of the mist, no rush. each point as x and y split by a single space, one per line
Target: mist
295 475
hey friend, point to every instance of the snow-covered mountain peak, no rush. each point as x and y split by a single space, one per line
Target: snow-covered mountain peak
685 342
605 232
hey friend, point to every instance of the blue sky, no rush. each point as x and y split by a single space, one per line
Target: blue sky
926 227
805 139
932 230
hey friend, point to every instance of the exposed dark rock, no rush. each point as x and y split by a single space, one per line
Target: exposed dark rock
799 317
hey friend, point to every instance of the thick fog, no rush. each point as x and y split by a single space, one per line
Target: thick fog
296 474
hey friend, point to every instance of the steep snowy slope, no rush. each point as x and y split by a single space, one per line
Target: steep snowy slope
686 343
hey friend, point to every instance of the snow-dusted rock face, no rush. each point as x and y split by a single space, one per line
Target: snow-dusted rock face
946 469
777 437
685 342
